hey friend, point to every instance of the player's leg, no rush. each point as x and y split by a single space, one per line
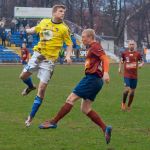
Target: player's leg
93 115
44 75
37 102
65 109
133 84
87 109
125 93
27 71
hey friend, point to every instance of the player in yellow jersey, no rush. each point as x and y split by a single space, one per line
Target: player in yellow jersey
53 33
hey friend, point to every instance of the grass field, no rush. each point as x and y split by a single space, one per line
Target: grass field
131 130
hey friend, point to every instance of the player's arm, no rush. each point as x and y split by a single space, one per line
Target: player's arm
140 60
31 30
28 55
120 66
105 66
68 54
68 42
121 63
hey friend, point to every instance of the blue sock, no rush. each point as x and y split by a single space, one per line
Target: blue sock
36 105
28 82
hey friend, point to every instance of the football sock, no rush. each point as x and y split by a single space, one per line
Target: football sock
96 119
131 96
125 94
28 82
62 112
35 106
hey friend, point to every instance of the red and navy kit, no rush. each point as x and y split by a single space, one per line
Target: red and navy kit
130 60
24 55
93 63
92 83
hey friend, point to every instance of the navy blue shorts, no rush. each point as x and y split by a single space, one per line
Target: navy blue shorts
132 83
88 87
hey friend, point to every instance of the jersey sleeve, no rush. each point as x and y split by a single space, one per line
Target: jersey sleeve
122 57
98 51
38 26
140 57
67 37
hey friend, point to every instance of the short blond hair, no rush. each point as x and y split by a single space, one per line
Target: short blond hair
90 33
56 7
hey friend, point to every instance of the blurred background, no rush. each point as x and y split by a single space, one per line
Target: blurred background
115 22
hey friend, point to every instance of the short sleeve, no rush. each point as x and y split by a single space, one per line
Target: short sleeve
140 57
98 50
122 57
38 26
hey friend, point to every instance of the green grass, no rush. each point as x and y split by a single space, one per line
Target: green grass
131 130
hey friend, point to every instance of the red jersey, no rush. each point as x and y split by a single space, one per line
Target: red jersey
24 54
131 59
93 63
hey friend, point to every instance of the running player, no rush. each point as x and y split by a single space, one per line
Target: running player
96 70
53 33
132 60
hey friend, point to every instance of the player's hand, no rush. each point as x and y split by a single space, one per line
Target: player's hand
68 59
106 77
140 65
119 71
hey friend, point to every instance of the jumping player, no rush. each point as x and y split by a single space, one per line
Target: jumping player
96 70
53 33
132 60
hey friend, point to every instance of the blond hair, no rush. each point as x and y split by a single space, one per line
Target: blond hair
56 7
89 33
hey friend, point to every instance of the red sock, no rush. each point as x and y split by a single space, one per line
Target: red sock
131 96
96 119
62 112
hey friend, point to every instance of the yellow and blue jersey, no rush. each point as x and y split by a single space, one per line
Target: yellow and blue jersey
52 36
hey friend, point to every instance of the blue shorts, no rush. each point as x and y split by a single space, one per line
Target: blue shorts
88 87
24 62
132 83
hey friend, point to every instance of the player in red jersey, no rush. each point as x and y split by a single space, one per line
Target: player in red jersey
96 70
24 54
132 60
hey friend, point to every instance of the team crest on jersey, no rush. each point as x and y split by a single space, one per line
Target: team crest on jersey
47 35
127 59
131 54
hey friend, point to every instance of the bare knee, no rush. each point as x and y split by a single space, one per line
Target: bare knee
72 98
86 106
24 75
126 90
41 90
132 91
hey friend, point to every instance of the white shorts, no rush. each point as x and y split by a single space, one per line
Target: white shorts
44 68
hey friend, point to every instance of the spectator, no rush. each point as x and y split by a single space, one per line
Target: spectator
3 36
9 39
24 22
24 54
30 40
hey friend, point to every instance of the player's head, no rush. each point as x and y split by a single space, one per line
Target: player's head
23 45
58 11
88 36
131 45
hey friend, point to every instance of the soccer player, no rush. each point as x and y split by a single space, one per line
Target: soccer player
53 33
132 60
96 70
24 54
